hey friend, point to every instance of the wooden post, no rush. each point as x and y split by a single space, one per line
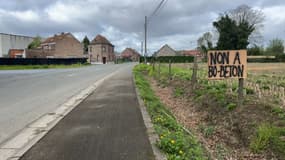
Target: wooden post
158 70
194 74
153 64
169 70
240 91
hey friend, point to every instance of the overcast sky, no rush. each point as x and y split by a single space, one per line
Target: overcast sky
179 23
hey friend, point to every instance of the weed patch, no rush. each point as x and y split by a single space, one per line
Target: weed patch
173 140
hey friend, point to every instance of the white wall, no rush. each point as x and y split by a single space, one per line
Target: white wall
8 42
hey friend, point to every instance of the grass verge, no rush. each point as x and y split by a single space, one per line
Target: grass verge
173 140
24 67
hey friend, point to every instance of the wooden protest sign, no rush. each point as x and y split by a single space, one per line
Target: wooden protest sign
227 64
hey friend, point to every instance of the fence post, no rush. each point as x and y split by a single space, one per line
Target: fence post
194 74
169 70
240 91
153 64
158 70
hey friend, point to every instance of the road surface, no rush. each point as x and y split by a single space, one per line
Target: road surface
26 95
107 125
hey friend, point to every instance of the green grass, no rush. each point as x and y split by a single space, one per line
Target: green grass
24 67
268 136
173 140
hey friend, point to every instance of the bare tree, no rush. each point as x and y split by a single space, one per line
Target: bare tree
205 43
254 17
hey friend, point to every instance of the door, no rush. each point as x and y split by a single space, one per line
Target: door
104 60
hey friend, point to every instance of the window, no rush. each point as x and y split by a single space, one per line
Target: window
90 49
103 48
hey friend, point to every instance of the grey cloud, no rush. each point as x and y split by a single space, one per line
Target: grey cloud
178 23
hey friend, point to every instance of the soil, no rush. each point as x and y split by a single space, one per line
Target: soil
224 134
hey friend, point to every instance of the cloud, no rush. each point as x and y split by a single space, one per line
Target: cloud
179 23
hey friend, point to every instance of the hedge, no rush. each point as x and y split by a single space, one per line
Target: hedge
167 59
41 61
278 58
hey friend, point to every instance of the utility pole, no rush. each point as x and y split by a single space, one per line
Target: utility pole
145 36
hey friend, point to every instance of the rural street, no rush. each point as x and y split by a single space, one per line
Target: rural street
26 95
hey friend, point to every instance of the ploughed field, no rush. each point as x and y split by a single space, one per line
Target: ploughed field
210 110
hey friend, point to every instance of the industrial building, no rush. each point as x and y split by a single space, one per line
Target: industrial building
10 41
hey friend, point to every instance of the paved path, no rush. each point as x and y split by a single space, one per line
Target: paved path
107 125
26 95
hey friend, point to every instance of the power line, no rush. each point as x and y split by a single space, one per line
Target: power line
160 5
157 9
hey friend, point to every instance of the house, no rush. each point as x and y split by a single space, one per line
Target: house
16 53
101 50
166 50
130 55
10 41
64 45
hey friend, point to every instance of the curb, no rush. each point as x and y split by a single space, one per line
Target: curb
18 145
152 136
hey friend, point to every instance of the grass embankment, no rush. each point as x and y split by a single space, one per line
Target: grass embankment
258 126
173 140
24 67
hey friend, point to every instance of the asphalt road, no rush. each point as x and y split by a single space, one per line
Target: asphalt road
107 125
26 95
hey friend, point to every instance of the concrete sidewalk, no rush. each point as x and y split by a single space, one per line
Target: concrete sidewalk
108 125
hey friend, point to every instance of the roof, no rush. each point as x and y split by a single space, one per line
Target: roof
166 50
99 39
16 35
191 52
129 52
58 37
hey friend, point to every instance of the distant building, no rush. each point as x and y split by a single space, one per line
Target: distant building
130 54
166 50
64 45
16 53
10 41
101 50
191 53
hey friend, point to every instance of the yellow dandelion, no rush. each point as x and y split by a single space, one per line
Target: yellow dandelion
180 152
161 137
172 141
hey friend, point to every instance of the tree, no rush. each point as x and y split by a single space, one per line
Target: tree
205 42
35 43
275 47
232 35
85 42
253 17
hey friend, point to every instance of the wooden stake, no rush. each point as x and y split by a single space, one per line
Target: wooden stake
194 74
158 70
240 91
169 71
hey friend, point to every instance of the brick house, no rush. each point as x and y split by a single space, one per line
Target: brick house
165 50
64 45
130 54
101 50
